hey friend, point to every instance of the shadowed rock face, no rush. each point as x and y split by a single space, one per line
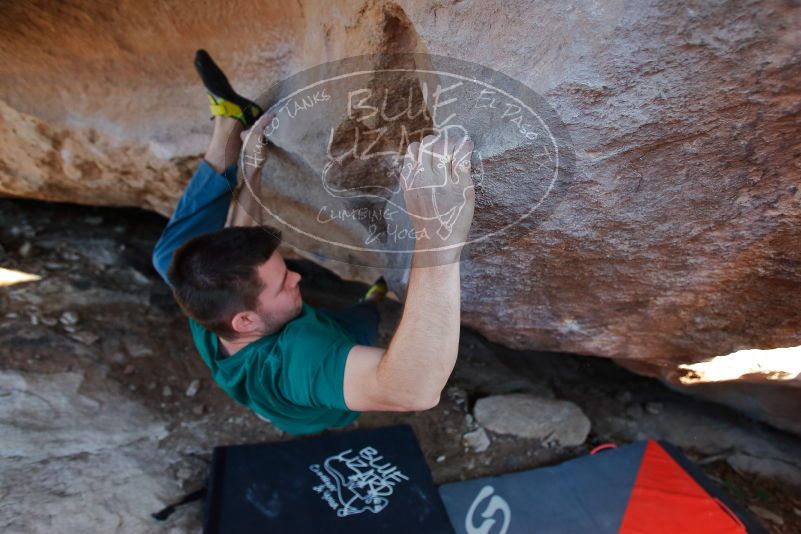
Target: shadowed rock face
678 239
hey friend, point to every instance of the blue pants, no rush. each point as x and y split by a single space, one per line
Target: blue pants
361 320
203 208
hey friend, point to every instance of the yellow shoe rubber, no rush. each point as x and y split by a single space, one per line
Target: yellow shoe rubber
220 107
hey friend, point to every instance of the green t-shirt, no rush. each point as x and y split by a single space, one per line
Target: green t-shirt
293 377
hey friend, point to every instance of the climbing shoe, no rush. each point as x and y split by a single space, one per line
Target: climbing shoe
377 291
223 100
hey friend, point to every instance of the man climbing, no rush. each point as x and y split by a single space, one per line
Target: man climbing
301 368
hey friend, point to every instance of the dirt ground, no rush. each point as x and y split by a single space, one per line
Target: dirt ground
101 312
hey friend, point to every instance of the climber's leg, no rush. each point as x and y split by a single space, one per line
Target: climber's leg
232 113
360 320
223 150
377 291
246 209
204 204
224 100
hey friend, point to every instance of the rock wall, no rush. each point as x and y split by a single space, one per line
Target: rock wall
678 239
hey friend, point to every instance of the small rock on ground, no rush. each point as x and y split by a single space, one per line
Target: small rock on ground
194 386
69 318
523 415
654 408
477 440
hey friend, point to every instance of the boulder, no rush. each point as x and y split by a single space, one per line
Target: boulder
675 239
73 460
553 422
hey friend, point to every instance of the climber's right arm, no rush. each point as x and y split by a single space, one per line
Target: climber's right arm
411 373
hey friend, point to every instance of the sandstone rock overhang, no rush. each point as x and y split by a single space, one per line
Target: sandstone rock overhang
678 241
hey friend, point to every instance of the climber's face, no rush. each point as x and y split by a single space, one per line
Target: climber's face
280 300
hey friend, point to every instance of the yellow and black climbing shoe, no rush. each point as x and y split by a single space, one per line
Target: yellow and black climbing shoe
377 291
223 100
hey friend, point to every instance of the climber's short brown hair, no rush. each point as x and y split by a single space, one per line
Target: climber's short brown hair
214 276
